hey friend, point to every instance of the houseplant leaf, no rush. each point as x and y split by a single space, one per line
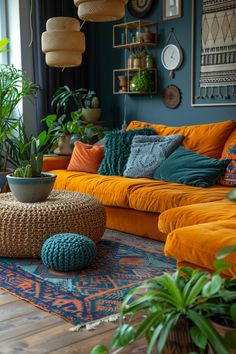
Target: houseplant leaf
213 337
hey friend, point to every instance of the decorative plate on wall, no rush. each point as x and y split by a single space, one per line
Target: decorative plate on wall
139 8
171 96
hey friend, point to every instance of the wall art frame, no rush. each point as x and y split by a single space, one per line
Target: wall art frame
195 67
171 9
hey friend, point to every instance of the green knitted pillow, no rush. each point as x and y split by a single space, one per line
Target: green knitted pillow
117 149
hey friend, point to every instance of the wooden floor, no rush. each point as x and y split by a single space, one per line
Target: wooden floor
27 329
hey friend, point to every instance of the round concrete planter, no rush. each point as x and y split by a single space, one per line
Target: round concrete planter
31 190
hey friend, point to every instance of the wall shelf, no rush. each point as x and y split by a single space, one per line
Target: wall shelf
136 36
128 73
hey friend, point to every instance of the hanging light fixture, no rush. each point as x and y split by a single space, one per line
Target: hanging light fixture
63 43
100 10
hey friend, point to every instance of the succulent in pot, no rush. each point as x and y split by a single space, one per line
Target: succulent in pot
28 183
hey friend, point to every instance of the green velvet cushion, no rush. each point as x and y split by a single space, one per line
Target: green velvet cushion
117 146
188 167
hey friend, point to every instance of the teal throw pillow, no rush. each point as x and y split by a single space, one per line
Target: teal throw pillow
148 152
188 167
117 149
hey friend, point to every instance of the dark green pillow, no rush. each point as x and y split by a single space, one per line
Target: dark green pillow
117 146
188 167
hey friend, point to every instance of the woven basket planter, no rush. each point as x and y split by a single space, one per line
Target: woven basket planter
63 43
100 10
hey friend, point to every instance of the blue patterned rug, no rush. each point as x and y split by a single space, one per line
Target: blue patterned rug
122 262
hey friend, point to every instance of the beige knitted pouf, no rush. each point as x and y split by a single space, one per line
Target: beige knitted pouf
25 226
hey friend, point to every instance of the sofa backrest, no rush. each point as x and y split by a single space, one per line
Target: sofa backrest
229 141
206 139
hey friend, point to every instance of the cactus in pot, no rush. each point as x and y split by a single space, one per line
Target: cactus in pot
27 183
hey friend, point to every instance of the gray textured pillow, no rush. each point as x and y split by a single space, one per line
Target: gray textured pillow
148 152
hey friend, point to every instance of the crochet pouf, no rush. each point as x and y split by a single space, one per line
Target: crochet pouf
24 227
66 252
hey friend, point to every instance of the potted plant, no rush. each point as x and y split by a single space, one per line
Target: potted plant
178 311
68 121
27 183
82 99
63 133
91 112
14 86
142 82
139 59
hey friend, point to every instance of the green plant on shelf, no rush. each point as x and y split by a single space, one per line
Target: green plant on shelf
142 82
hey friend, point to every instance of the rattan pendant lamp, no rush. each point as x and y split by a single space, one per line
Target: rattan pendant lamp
100 10
63 43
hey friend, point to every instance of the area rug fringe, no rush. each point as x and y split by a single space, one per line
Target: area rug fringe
89 326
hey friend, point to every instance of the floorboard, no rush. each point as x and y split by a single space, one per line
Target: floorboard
27 330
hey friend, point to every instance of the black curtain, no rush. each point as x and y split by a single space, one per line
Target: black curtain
49 79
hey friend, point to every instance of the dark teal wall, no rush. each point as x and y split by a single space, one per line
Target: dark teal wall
152 109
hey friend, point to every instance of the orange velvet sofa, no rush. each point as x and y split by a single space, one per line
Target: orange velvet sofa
194 222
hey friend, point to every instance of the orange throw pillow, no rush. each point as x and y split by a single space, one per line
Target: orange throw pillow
86 158
229 178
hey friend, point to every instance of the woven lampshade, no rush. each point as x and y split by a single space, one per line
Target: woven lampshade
100 10
63 43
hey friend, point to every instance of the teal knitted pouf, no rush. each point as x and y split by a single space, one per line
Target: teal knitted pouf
66 252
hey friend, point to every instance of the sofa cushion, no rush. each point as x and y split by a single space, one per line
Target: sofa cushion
117 148
110 190
229 141
198 244
206 139
148 152
55 162
229 178
195 214
85 158
158 196
189 167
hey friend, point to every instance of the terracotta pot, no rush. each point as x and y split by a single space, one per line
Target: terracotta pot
123 80
137 63
148 37
222 330
91 114
64 147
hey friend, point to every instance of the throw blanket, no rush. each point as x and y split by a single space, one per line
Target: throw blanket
218 54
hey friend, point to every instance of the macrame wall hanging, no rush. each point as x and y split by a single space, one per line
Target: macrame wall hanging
218 52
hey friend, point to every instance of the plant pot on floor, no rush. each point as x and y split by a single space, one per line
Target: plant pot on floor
91 114
223 330
31 190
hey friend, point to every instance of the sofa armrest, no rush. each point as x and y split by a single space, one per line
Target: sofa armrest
55 163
